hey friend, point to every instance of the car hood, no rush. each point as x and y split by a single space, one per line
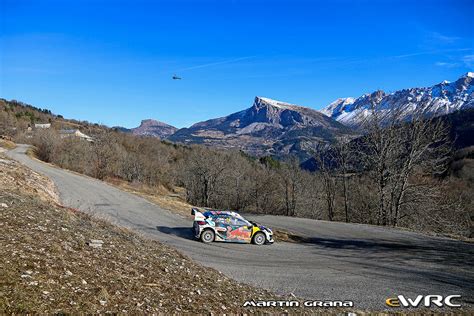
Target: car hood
262 227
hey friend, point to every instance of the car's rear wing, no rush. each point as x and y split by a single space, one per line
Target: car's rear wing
198 216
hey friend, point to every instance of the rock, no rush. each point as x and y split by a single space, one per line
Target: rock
68 273
95 243
84 282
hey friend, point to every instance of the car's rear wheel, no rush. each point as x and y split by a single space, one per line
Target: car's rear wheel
258 239
207 236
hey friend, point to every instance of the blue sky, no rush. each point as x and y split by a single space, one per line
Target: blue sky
112 61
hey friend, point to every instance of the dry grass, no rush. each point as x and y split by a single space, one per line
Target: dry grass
31 152
173 201
282 235
7 144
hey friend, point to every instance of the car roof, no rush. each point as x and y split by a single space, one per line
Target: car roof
223 213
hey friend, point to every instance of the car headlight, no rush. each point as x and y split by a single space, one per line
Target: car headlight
267 229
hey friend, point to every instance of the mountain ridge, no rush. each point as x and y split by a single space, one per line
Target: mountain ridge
440 99
272 127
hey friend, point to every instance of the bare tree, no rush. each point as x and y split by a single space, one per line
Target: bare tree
424 147
291 181
342 153
45 142
326 174
202 171
266 187
102 155
393 150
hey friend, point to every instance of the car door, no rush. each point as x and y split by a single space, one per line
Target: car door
238 230
221 226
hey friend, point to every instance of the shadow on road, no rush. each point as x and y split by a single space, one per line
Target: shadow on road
404 257
446 252
356 244
183 232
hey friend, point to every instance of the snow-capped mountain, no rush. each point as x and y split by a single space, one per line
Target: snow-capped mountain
268 127
440 99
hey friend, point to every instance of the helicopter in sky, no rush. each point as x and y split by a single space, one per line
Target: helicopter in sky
176 77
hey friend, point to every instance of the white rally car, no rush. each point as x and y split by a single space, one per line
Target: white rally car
228 226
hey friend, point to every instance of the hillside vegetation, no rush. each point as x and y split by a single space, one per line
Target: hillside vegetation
403 175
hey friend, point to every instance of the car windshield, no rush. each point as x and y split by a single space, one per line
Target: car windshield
243 222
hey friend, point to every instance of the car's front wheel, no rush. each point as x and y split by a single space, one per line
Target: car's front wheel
207 236
258 239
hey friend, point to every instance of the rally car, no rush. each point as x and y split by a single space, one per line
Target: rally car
228 226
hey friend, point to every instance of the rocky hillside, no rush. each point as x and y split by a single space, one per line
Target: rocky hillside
268 127
17 117
441 99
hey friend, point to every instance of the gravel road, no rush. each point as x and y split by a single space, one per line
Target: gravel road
361 263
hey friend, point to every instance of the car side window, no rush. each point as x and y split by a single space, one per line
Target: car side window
221 219
240 222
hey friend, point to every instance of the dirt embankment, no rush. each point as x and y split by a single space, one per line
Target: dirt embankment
51 263
14 177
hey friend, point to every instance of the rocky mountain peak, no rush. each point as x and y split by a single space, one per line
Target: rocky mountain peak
150 127
470 74
268 127
262 102
152 122
280 114
378 95
465 81
265 110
